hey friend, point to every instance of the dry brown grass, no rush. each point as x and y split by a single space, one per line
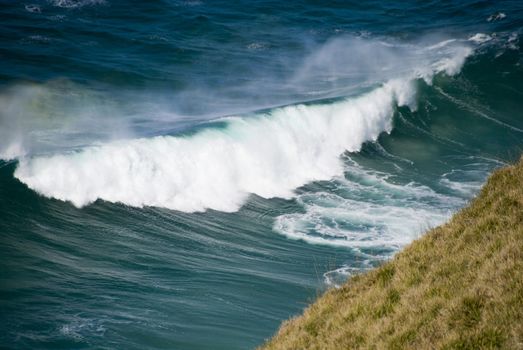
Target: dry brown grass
460 286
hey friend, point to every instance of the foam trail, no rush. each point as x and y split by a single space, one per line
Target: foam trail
368 212
476 111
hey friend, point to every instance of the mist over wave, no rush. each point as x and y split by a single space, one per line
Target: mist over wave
59 115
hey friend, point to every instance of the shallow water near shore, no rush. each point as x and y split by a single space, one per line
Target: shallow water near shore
188 174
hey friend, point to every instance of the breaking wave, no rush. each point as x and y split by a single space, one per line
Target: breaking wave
268 154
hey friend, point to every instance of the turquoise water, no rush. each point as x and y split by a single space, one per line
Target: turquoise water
188 174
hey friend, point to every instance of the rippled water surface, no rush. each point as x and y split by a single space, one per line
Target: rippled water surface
188 174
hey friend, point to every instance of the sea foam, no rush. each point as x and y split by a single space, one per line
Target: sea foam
366 212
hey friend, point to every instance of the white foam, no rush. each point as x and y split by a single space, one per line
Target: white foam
76 3
33 8
380 225
512 42
467 181
78 328
335 278
441 44
368 211
480 38
256 46
496 17
373 213
452 65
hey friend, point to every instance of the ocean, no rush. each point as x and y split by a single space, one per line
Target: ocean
189 174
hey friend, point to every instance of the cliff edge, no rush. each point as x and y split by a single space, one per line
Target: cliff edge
460 286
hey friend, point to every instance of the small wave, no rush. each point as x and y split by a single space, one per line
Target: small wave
480 38
466 182
78 329
33 8
335 278
190 3
496 17
70 4
512 42
256 46
38 39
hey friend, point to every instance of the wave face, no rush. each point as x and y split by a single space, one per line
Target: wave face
188 174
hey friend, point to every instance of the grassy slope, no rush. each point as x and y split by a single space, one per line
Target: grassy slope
458 287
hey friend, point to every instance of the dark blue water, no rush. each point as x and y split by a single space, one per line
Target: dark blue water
188 174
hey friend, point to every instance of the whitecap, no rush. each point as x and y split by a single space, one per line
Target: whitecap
480 38
76 3
496 17
33 8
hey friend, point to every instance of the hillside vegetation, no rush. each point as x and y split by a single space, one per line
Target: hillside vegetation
460 286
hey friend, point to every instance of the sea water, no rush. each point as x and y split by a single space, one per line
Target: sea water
189 174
